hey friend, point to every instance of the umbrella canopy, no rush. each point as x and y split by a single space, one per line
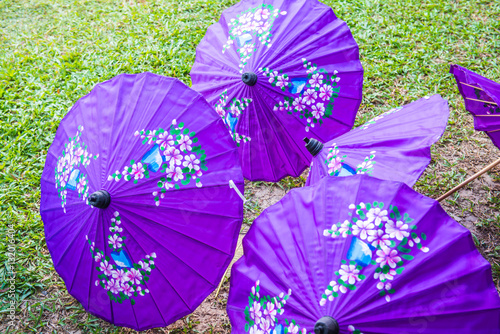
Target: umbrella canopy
482 99
393 146
361 255
275 72
139 217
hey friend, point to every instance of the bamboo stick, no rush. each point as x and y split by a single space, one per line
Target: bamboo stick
227 269
473 177
466 84
489 102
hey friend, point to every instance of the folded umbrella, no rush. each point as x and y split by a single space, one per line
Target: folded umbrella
395 145
360 255
139 216
482 99
276 72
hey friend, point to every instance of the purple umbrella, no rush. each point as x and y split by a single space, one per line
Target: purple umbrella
482 100
276 72
139 216
361 255
393 146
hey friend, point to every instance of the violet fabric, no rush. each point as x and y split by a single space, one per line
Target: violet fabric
166 159
482 99
309 81
375 255
393 146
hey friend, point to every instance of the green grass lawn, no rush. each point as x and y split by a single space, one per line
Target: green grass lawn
53 52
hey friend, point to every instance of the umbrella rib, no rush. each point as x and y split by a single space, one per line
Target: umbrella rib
177 209
475 115
164 247
173 230
477 100
67 248
466 84
407 296
145 283
132 146
159 270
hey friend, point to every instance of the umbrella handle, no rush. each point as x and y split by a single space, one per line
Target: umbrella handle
233 186
326 325
473 177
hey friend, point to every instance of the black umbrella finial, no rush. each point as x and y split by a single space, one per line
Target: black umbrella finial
313 146
100 199
249 78
326 325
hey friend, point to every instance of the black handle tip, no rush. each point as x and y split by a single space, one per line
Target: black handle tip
326 325
249 78
313 146
100 199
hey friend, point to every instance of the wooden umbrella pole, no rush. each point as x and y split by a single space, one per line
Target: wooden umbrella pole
473 177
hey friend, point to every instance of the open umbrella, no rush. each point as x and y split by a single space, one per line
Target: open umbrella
139 216
275 72
360 255
482 99
393 146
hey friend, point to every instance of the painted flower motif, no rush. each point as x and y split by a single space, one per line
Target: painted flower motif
387 276
168 185
255 330
379 238
261 13
344 228
113 286
367 164
363 229
309 96
185 143
127 289
220 110
98 256
145 266
377 215
255 312
134 276
177 174
165 140
255 25
82 182
282 81
115 241
270 312
173 156
106 267
265 325
397 230
191 162
137 171
318 110
349 274
316 80
247 49
293 329
334 165
325 92
272 75
298 104
265 27
387 256
310 68
235 110
119 275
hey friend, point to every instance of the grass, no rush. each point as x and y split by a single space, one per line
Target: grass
53 52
